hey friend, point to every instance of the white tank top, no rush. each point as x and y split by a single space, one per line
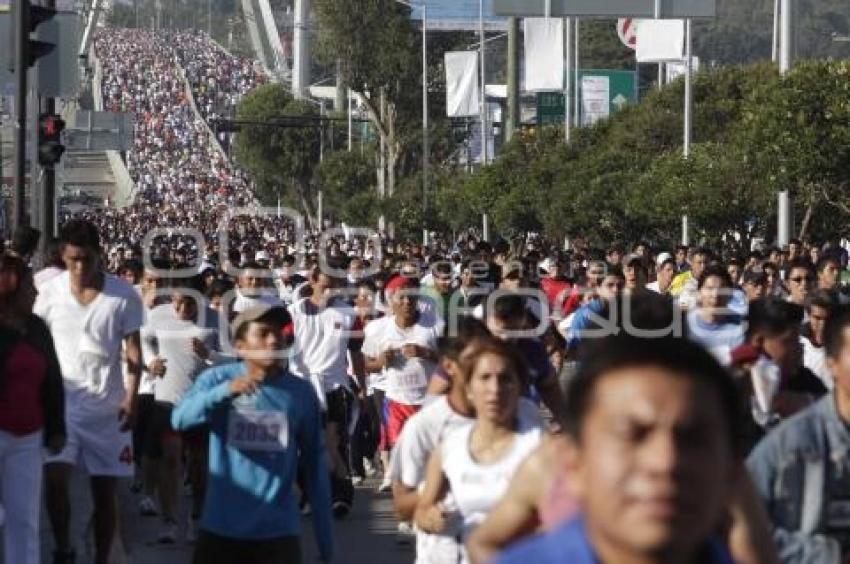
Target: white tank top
478 487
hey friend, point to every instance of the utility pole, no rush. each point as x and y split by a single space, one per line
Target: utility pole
577 74
301 40
786 61
513 117
21 24
47 194
568 81
483 63
776 32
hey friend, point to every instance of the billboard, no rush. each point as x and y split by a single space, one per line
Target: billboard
459 15
607 8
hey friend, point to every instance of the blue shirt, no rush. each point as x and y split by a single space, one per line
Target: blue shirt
256 445
569 544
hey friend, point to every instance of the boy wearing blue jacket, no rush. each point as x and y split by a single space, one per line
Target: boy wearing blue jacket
264 422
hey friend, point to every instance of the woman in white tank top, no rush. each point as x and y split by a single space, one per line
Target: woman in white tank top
476 462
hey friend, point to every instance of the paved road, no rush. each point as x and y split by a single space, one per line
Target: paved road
367 536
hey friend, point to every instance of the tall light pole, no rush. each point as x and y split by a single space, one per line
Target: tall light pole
483 84
786 52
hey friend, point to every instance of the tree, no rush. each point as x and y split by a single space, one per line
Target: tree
281 160
375 44
347 180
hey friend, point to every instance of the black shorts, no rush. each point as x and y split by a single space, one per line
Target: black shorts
141 430
161 430
216 549
339 408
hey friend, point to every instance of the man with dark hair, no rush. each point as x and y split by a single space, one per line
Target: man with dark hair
800 281
684 286
773 382
653 425
828 273
754 284
265 424
91 315
712 323
800 468
819 306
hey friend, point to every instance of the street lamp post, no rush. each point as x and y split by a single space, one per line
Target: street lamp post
425 138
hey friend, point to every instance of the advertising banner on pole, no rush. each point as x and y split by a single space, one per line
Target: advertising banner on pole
660 41
544 54
463 93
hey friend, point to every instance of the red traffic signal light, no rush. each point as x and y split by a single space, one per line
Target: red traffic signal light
50 148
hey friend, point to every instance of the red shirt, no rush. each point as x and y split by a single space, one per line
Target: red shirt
21 382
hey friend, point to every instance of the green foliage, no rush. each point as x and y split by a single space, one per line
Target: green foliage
755 133
348 182
281 160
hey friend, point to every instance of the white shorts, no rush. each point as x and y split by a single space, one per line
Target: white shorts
98 446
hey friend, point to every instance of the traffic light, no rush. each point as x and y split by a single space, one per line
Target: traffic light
50 148
28 17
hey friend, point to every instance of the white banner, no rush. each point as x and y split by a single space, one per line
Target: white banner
595 99
463 92
544 54
660 40
675 70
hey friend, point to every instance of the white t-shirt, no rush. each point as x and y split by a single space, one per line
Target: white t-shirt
147 383
814 358
420 437
88 340
406 378
321 342
242 302
170 338
478 487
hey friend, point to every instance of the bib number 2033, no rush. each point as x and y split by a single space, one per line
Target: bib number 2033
257 430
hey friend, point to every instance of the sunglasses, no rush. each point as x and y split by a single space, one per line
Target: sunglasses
802 279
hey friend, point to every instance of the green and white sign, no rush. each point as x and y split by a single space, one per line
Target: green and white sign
602 92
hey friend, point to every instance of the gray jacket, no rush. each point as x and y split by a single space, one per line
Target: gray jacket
793 468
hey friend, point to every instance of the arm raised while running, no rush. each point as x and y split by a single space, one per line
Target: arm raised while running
429 515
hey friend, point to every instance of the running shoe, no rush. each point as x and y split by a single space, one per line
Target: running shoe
168 534
405 533
147 507
356 480
386 485
341 509
370 467
306 510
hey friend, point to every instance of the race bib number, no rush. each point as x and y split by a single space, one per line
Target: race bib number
252 430
412 379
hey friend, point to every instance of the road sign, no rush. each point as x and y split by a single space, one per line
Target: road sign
606 8
616 87
627 30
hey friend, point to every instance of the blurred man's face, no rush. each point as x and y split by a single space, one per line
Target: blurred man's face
839 367
443 283
610 288
681 256
800 284
698 265
828 276
734 273
595 275
653 464
817 321
80 262
713 294
184 306
755 290
665 275
614 257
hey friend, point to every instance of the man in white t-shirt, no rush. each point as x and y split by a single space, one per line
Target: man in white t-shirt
323 326
252 289
91 315
404 347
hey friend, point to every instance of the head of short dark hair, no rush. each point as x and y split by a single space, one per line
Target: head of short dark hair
797 264
615 270
277 316
503 349
826 299
680 356
717 271
508 307
702 251
772 317
25 239
442 269
833 333
827 260
467 329
133 266
219 287
80 233
287 260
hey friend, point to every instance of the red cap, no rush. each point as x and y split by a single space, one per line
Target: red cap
400 282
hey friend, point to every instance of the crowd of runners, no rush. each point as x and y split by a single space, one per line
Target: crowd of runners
519 403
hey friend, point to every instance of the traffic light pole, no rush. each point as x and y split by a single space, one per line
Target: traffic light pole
19 215
47 194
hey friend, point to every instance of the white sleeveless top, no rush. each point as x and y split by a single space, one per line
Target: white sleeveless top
478 487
